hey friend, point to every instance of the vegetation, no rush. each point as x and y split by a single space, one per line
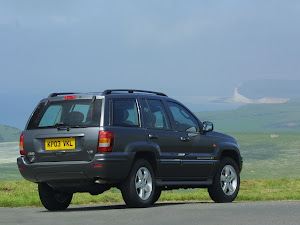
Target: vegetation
9 152
269 155
266 155
271 172
8 134
25 194
256 118
271 159
10 172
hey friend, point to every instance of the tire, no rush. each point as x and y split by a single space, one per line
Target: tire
226 182
139 188
157 194
54 200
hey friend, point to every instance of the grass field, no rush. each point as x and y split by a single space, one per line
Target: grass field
264 157
270 158
9 151
24 193
271 172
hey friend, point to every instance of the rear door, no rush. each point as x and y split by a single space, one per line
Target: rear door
159 132
64 129
125 122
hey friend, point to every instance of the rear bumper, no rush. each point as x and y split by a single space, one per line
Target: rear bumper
112 167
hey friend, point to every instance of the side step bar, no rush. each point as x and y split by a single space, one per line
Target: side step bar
184 184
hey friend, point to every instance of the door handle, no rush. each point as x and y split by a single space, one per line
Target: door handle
184 139
153 136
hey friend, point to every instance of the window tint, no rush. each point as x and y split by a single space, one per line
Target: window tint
183 119
51 116
158 115
125 112
84 109
80 113
146 114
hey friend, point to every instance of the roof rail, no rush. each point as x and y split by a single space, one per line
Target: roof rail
56 94
108 92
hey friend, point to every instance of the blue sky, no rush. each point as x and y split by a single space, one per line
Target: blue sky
183 48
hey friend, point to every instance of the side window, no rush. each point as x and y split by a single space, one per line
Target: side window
125 112
183 119
146 114
158 115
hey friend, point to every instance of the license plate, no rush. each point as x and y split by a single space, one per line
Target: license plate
60 143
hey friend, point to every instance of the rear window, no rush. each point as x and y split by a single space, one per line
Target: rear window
72 113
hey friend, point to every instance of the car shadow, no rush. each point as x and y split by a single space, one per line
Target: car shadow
114 207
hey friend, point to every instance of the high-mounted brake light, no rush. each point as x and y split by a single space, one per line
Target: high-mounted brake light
98 165
70 97
22 151
106 141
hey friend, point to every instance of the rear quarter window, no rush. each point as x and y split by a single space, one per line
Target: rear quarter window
125 112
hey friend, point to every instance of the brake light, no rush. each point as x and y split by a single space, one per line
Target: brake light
22 151
70 97
106 141
97 165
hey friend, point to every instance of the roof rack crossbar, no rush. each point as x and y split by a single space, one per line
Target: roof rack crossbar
108 92
56 94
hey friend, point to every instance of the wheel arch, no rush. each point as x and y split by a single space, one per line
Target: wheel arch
231 150
150 157
148 151
233 154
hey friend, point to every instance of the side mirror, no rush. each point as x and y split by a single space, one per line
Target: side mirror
207 126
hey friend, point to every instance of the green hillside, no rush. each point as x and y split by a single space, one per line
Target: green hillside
8 134
256 118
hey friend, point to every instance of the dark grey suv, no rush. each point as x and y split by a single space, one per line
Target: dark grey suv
141 142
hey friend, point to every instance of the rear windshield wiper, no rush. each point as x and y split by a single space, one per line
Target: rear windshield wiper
62 126
77 126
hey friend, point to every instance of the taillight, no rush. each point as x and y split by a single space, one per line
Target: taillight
106 141
22 151
70 97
